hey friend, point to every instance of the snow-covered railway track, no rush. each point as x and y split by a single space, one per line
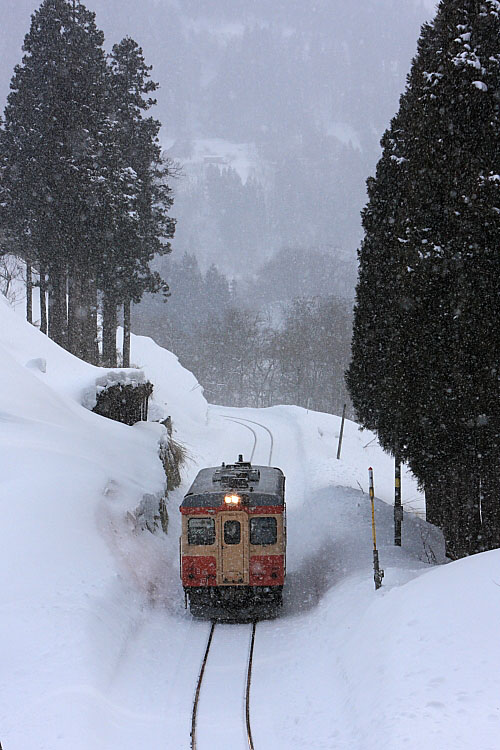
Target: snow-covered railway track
222 726
227 668
246 423
198 687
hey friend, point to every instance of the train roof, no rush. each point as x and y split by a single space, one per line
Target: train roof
255 482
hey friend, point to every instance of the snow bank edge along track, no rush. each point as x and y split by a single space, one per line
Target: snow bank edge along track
243 422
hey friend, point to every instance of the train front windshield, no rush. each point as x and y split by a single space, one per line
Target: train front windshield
201 531
263 530
232 532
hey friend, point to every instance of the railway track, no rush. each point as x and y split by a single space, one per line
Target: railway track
198 687
248 678
248 682
247 691
246 423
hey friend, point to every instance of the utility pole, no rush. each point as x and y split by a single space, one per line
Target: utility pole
398 507
29 295
341 432
126 334
377 573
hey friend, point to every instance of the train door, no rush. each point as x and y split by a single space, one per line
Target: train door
234 548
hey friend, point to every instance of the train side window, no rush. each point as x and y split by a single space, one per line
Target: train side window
201 531
232 532
263 530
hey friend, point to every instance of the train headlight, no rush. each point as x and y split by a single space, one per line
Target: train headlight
232 499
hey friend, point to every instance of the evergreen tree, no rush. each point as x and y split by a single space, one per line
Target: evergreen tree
140 232
47 147
217 294
424 371
83 185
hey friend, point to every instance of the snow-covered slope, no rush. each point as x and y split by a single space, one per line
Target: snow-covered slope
67 479
96 648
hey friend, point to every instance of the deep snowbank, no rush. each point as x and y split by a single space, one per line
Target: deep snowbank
71 591
432 653
95 646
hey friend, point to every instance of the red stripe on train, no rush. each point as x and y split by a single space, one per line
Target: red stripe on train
267 570
199 570
259 510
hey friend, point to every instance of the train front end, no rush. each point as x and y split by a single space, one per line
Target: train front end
233 541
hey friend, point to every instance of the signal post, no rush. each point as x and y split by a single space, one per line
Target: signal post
398 507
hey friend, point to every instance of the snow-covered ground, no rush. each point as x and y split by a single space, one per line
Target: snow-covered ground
242 157
96 649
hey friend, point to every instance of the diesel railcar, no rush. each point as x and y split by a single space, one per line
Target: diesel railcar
233 540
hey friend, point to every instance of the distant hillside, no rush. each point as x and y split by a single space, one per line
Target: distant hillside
293 96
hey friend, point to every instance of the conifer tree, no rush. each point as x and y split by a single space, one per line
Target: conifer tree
48 146
83 187
424 371
143 231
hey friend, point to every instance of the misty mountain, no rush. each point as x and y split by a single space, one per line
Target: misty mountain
274 110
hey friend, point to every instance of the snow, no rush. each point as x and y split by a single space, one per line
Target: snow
96 649
480 85
346 134
242 157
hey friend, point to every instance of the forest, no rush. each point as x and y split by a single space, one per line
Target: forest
278 337
85 200
424 372
84 193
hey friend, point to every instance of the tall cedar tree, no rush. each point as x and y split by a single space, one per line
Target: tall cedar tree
48 146
424 372
141 232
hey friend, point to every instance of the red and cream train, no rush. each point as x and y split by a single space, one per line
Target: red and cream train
233 540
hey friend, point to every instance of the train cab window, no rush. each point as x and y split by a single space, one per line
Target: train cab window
232 532
263 530
201 531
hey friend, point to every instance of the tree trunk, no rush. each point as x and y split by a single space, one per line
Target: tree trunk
126 333
58 316
78 314
91 333
461 520
29 293
82 316
434 502
490 504
471 525
43 300
73 305
109 325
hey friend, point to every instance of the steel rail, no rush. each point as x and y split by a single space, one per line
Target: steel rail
247 687
198 687
244 419
247 692
236 420
241 420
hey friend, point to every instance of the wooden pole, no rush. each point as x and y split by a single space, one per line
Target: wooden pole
377 573
43 300
126 333
29 293
341 432
398 507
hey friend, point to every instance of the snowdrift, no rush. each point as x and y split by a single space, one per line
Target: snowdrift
95 646
71 587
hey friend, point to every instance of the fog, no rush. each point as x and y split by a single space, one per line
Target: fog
273 109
